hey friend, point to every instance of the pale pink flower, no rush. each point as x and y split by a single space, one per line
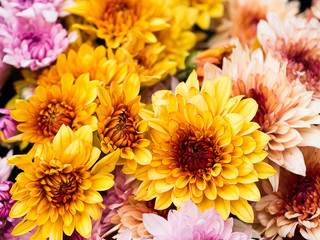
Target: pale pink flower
189 224
242 17
294 210
32 42
113 199
5 169
296 43
49 9
286 110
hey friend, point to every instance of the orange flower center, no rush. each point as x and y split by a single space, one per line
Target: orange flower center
53 116
61 186
121 129
303 194
121 15
194 153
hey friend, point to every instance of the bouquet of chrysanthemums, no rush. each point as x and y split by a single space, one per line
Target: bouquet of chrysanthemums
159 119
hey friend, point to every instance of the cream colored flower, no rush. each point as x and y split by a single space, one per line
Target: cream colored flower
295 41
294 210
242 17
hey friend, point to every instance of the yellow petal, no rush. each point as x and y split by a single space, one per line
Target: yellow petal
106 164
23 227
92 196
104 97
264 170
163 201
222 87
62 140
131 87
228 192
223 207
84 133
243 210
248 108
142 155
19 209
192 81
249 191
102 182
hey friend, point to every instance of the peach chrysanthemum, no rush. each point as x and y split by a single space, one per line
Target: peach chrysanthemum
58 189
102 64
71 104
130 215
242 17
115 20
119 125
205 149
295 208
295 41
287 112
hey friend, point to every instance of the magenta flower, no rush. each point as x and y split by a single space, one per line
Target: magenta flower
6 202
32 42
8 126
189 224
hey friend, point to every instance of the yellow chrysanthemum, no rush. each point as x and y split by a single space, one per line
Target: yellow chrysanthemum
119 126
178 38
205 149
101 64
152 64
116 20
58 190
207 9
71 104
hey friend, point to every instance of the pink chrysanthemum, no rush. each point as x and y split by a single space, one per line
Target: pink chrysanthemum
50 9
296 41
32 42
114 198
189 223
8 126
294 210
287 112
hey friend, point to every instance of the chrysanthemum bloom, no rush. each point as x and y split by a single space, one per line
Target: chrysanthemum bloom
205 149
71 104
189 224
115 197
57 190
152 64
101 64
119 125
8 126
5 169
207 9
295 41
33 42
6 202
214 56
116 20
295 208
286 112
178 39
130 215
241 21
49 9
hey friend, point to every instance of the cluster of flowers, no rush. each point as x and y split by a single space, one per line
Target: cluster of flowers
121 128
